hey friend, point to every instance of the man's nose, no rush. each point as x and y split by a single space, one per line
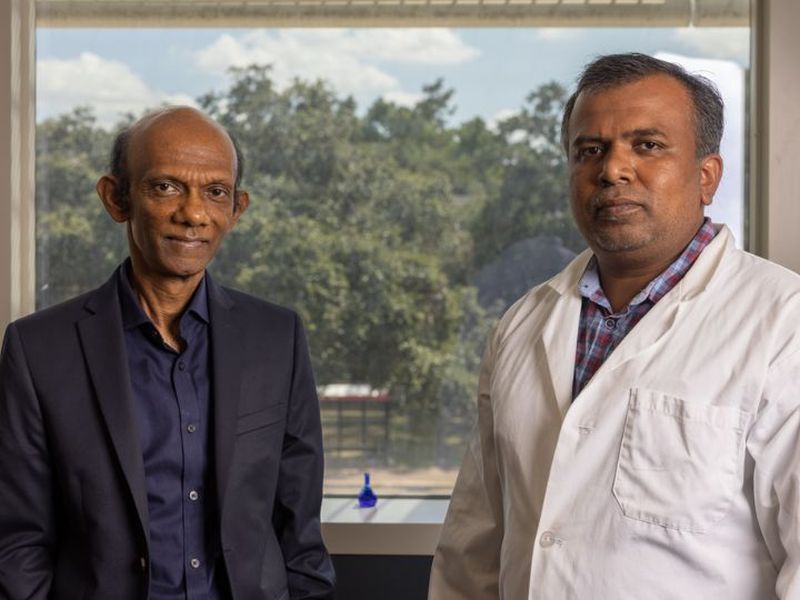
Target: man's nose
617 167
192 210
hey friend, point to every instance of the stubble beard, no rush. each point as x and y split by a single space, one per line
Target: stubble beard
614 238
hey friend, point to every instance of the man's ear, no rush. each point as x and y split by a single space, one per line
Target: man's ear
116 205
710 176
240 204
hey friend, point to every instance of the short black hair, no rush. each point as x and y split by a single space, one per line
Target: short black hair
118 161
618 69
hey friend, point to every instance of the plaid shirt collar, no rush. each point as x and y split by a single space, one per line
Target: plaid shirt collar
590 288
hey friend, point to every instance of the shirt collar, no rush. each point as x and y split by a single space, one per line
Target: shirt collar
132 313
590 288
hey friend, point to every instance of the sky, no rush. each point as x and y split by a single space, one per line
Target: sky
118 71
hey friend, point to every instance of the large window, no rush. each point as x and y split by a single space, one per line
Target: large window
407 185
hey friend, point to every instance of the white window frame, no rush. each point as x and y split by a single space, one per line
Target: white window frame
774 218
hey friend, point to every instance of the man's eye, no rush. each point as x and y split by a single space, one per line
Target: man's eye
587 151
650 145
163 187
218 192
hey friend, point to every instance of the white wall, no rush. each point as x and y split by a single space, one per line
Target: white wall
16 159
776 131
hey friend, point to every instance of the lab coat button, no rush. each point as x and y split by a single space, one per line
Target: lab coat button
547 539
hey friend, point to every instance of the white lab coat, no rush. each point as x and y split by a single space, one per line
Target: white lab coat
675 474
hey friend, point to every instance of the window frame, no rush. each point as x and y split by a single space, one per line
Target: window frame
773 213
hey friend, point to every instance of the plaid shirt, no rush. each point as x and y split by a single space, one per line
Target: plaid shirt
601 330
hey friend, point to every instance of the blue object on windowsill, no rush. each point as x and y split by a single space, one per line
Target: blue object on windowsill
366 497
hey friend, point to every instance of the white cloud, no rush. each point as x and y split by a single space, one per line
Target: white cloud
110 87
348 59
501 115
401 98
726 43
290 56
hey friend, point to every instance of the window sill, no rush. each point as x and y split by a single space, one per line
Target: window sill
396 526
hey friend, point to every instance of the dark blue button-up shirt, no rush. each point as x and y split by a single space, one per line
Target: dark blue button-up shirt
172 396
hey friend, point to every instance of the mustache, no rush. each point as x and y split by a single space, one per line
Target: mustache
603 200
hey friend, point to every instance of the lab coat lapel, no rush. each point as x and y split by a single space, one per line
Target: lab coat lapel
560 332
646 334
652 330
103 346
228 358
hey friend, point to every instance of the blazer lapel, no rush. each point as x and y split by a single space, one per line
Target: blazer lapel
104 350
227 357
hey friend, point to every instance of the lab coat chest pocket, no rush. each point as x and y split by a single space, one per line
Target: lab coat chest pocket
680 462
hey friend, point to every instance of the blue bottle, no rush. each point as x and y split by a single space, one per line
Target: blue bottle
366 497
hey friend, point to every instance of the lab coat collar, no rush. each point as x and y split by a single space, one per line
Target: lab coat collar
695 281
560 332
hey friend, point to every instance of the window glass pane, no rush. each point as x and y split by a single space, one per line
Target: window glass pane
406 186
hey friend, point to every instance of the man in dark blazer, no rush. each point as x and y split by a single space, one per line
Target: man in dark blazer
160 435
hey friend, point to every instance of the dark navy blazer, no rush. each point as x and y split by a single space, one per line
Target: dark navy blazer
73 500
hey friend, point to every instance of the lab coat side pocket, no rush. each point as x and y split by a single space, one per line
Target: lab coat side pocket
680 462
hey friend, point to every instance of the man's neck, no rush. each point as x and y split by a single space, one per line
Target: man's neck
164 301
625 274
621 285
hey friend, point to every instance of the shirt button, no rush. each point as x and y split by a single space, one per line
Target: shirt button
191 428
547 539
193 495
195 562
142 563
611 323
181 365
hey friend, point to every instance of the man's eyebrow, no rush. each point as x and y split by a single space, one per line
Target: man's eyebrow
585 139
644 132
633 133
214 179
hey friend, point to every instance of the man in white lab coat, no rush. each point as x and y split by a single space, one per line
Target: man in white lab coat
638 414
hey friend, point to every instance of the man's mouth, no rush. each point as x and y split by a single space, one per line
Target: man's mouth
615 209
187 242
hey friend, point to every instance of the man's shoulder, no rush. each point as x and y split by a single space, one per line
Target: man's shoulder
253 306
52 333
769 280
49 319
525 317
543 297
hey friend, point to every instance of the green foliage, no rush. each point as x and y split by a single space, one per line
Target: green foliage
531 199
78 244
364 244
371 226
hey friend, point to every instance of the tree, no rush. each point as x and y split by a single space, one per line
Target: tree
371 226
359 242
77 244
532 198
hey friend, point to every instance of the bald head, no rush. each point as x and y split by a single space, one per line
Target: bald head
173 183
159 124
